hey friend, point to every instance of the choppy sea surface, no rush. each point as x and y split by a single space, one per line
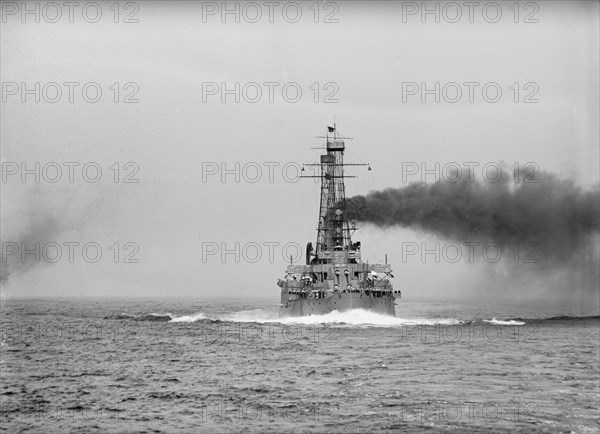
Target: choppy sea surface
190 365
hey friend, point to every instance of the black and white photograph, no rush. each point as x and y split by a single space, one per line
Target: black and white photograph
300 216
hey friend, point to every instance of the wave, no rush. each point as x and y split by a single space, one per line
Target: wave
523 321
350 318
354 317
119 316
561 318
189 318
155 317
510 322
158 317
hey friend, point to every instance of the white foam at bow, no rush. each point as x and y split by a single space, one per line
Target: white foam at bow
354 317
501 322
189 318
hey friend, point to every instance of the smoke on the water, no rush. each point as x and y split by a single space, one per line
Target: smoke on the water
555 215
29 219
39 231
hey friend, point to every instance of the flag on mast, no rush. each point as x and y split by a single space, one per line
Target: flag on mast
331 129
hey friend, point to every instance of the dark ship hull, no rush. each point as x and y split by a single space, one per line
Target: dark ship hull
340 282
341 302
334 278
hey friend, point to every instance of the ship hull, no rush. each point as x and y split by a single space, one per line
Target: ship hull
340 302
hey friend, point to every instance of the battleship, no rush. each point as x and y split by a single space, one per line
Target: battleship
334 278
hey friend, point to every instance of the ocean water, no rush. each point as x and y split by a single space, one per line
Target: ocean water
98 365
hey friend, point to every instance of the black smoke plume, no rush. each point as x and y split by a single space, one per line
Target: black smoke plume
34 216
39 231
555 214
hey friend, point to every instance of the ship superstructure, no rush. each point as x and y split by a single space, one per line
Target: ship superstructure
334 277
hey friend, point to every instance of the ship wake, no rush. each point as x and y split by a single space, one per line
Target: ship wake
355 318
351 318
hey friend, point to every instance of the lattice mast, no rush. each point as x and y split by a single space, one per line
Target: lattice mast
333 231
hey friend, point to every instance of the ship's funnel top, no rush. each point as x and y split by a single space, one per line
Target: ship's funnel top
335 145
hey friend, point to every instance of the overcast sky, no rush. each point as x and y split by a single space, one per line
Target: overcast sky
180 128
